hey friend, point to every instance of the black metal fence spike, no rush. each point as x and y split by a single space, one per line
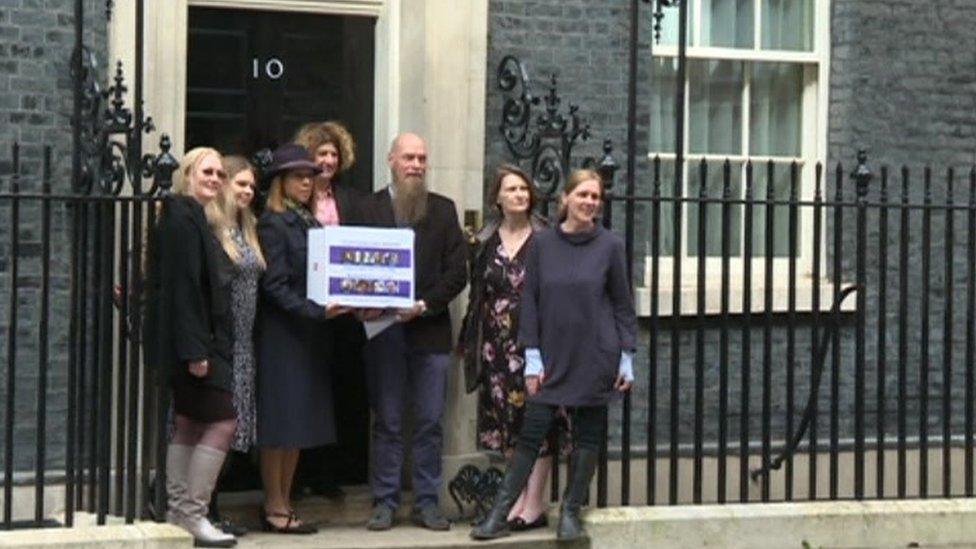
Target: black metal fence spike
165 165
607 168
862 174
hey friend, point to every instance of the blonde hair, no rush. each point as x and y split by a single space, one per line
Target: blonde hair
315 134
181 179
576 178
229 216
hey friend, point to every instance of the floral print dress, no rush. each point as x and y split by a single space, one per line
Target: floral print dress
501 400
244 286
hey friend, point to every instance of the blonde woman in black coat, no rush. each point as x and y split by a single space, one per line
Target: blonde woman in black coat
189 332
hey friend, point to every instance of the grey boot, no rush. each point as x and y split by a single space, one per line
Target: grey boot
177 462
582 467
201 477
517 474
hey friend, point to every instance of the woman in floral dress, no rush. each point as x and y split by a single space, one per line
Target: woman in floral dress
241 237
235 225
493 360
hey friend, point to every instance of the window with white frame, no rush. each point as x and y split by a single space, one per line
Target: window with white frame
756 90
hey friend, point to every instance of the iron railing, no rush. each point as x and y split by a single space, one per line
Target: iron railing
879 352
82 329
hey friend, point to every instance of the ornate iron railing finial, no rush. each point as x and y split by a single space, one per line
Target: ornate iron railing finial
546 140
862 174
111 136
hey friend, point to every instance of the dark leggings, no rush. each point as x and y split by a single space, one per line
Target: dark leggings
588 426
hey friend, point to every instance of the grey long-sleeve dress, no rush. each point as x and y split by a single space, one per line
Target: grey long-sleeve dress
578 310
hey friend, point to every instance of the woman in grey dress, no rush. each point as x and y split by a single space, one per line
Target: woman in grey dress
578 329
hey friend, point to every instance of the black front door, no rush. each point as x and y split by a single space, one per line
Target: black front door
254 77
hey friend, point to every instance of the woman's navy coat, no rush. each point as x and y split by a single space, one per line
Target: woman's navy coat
294 343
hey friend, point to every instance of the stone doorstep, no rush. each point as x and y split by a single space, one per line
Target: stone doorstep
401 536
148 535
351 510
341 526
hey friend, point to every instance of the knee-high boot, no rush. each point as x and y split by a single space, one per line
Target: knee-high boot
201 477
581 472
517 474
177 462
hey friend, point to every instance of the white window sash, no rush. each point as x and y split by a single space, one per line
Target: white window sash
813 148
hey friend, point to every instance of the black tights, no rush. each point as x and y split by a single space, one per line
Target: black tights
588 426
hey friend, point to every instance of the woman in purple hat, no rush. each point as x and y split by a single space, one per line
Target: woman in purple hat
294 388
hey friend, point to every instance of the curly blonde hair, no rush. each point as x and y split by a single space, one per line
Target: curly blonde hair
315 134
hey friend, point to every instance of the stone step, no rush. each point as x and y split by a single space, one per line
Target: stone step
347 537
341 525
352 509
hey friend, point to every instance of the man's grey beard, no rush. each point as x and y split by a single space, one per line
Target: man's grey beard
410 202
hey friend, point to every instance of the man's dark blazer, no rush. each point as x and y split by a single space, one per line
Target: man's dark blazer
440 268
348 199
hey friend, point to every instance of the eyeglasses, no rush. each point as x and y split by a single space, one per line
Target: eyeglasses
210 172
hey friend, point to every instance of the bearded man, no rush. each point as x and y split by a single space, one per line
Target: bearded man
407 363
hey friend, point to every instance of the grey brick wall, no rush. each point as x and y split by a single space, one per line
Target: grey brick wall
901 86
36 42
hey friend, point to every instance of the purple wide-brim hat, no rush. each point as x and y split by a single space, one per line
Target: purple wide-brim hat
291 157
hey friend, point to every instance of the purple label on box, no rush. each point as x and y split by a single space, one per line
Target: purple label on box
350 255
361 286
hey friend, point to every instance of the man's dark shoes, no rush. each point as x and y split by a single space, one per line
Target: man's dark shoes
430 517
518 524
382 518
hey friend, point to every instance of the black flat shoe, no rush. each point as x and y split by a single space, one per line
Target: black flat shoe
518 524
